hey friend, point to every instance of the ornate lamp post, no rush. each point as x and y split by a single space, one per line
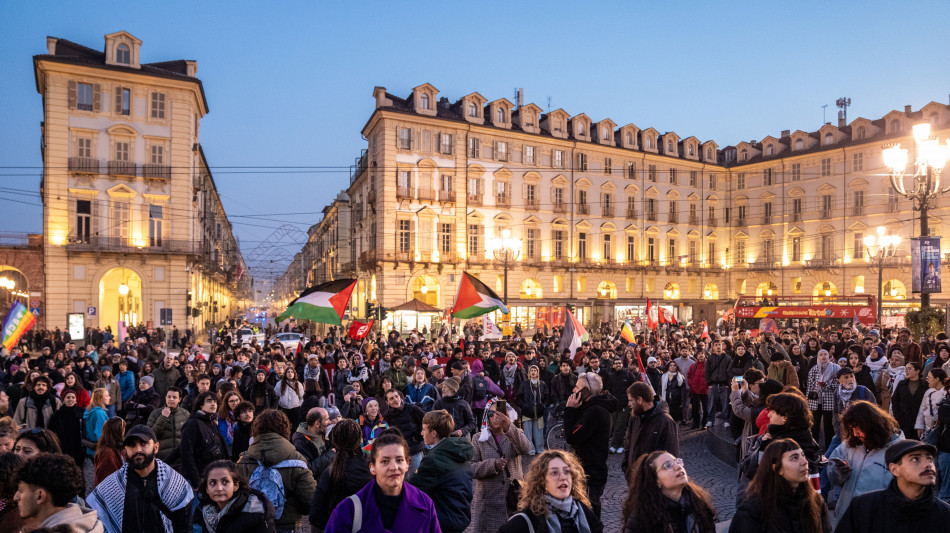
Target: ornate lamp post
505 249
929 159
880 248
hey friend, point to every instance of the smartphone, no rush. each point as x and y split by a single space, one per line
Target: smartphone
739 379
585 394
502 406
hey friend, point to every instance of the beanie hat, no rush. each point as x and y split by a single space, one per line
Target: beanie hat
451 386
148 379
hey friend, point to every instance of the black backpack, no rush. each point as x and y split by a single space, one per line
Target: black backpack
479 387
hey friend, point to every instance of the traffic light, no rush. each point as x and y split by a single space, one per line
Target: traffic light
371 310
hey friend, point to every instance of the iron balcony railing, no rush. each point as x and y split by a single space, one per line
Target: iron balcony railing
122 168
87 165
151 170
97 243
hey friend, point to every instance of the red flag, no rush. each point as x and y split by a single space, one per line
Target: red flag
651 315
705 330
359 330
666 316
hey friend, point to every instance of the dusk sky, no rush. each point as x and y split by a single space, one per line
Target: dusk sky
290 84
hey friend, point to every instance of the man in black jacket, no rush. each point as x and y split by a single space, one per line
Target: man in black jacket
201 442
445 473
909 503
617 382
650 428
717 378
587 430
309 440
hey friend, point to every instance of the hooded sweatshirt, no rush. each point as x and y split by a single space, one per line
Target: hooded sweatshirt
80 519
445 474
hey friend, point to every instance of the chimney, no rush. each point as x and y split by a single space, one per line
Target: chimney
520 97
786 134
841 123
906 109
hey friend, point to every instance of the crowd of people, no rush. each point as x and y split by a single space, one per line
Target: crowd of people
836 429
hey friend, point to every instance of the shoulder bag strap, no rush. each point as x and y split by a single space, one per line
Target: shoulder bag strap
500 454
528 520
357 513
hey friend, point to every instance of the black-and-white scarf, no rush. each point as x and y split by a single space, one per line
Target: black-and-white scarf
566 509
108 498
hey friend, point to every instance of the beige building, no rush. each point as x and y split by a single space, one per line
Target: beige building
610 215
135 230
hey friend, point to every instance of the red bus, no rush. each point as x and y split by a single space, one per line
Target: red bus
774 313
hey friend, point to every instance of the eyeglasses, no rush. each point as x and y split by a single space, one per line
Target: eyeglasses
671 465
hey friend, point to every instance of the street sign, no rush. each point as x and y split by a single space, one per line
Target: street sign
35 311
34 303
91 311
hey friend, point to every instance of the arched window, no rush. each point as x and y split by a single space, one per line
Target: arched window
829 138
770 150
122 55
895 126
424 101
472 109
744 155
500 115
799 144
862 132
629 138
689 149
669 146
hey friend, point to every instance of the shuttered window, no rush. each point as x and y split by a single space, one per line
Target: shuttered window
158 106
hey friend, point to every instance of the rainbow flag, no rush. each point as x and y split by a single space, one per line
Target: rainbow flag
19 320
627 332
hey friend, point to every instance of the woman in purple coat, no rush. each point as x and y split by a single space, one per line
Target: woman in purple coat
387 503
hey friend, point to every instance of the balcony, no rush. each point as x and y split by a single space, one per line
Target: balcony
97 243
766 220
825 214
404 193
426 195
559 207
673 218
151 170
531 204
631 214
502 200
583 209
447 196
86 165
608 210
693 220
651 216
820 263
405 257
796 217
475 199
857 210
762 264
740 223
712 222
122 168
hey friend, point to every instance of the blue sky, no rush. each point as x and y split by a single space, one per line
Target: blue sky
292 85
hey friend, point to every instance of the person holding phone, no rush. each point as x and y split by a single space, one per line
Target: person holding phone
587 430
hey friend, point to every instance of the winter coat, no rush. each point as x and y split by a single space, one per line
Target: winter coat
717 369
93 420
341 378
539 524
748 412
249 511
587 430
140 406
168 430
491 486
26 410
165 378
927 414
242 439
752 515
741 364
445 474
562 386
494 391
287 397
398 377
416 513
66 423
316 453
617 384
869 472
860 393
531 399
672 391
263 396
126 384
655 377
821 398
905 406
371 429
79 519
329 494
423 395
115 392
270 449
783 372
889 510
696 378
82 395
408 419
804 439
107 461
201 444
650 431
461 413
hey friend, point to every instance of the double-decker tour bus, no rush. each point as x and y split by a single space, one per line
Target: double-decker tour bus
775 313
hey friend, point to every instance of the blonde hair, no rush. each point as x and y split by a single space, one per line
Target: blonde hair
533 490
98 399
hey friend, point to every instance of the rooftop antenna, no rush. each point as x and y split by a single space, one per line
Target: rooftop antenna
823 113
843 103
520 97
549 104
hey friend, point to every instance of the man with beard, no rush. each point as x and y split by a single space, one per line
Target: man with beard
909 503
910 349
587 430
145 495
650 428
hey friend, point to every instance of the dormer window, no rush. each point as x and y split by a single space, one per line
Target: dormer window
424 101
799 144
472 110
580 130
744 155
650 142
629 138
500 115
689 149
829 138
709 153
603 133
122 54
895 126
770 150
669 146
862 132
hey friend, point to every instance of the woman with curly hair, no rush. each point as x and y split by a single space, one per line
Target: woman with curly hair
554 497
780 498
663 500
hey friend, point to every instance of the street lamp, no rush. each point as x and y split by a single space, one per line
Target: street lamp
880 248
506 249
929 159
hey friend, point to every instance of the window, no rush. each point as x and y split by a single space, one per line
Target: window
83 221
652 173
857 162
893 200
740 214
84 147
405 236
740 252
829 138
582 161
826 166
123 101
671 251
157 154
796 209
826 205
631 170
744 155
727 213
503 191
424 101
608 201
651 249
582 197
796 248
669 147
531 194
405 138
711 252
631 248
692 251
608 166
628 138
472 110
529 154
603 134
499 115
767 177
689 149
768 250
712 215
651 208
858 206
607 247
445 146
767 210
559 159
693 177
650 142
858 245
445 238
122 151
799 144
673 176
693 214
862 132
740 181
631 207
501 151
121 219
580 129
709 154
770 150
796 171
155 221
827 248
158 106
582 245
84 96
474 239
122 54
673 212
446 182
531 242
558 238
473 147
712 181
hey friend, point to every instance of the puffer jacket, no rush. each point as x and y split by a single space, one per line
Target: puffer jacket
201 445
270 449
249 512
752 515
168 430
445 474
587 430
461 413
93 420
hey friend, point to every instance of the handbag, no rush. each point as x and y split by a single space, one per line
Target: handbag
932 434
513 488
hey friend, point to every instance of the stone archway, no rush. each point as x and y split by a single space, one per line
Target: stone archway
14 286
120 298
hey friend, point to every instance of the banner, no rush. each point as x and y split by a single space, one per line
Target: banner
359 330
19 320
489 329
925 264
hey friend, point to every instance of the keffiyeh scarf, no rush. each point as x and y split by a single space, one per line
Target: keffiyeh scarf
894 377
108 498
485 434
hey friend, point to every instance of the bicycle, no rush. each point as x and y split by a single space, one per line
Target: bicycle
556 439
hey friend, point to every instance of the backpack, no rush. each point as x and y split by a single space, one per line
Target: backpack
267 480
479 387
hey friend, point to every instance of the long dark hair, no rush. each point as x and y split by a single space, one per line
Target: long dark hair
769 487
878 426
240 481
113 432
645 502
346 438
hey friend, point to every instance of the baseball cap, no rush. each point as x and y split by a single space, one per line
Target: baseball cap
903 447
141 432
844 372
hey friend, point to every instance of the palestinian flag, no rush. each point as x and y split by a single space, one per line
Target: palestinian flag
475 299
573 336
323 304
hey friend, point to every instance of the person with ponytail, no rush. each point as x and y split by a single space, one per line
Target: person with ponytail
780 497
348 473
662 499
